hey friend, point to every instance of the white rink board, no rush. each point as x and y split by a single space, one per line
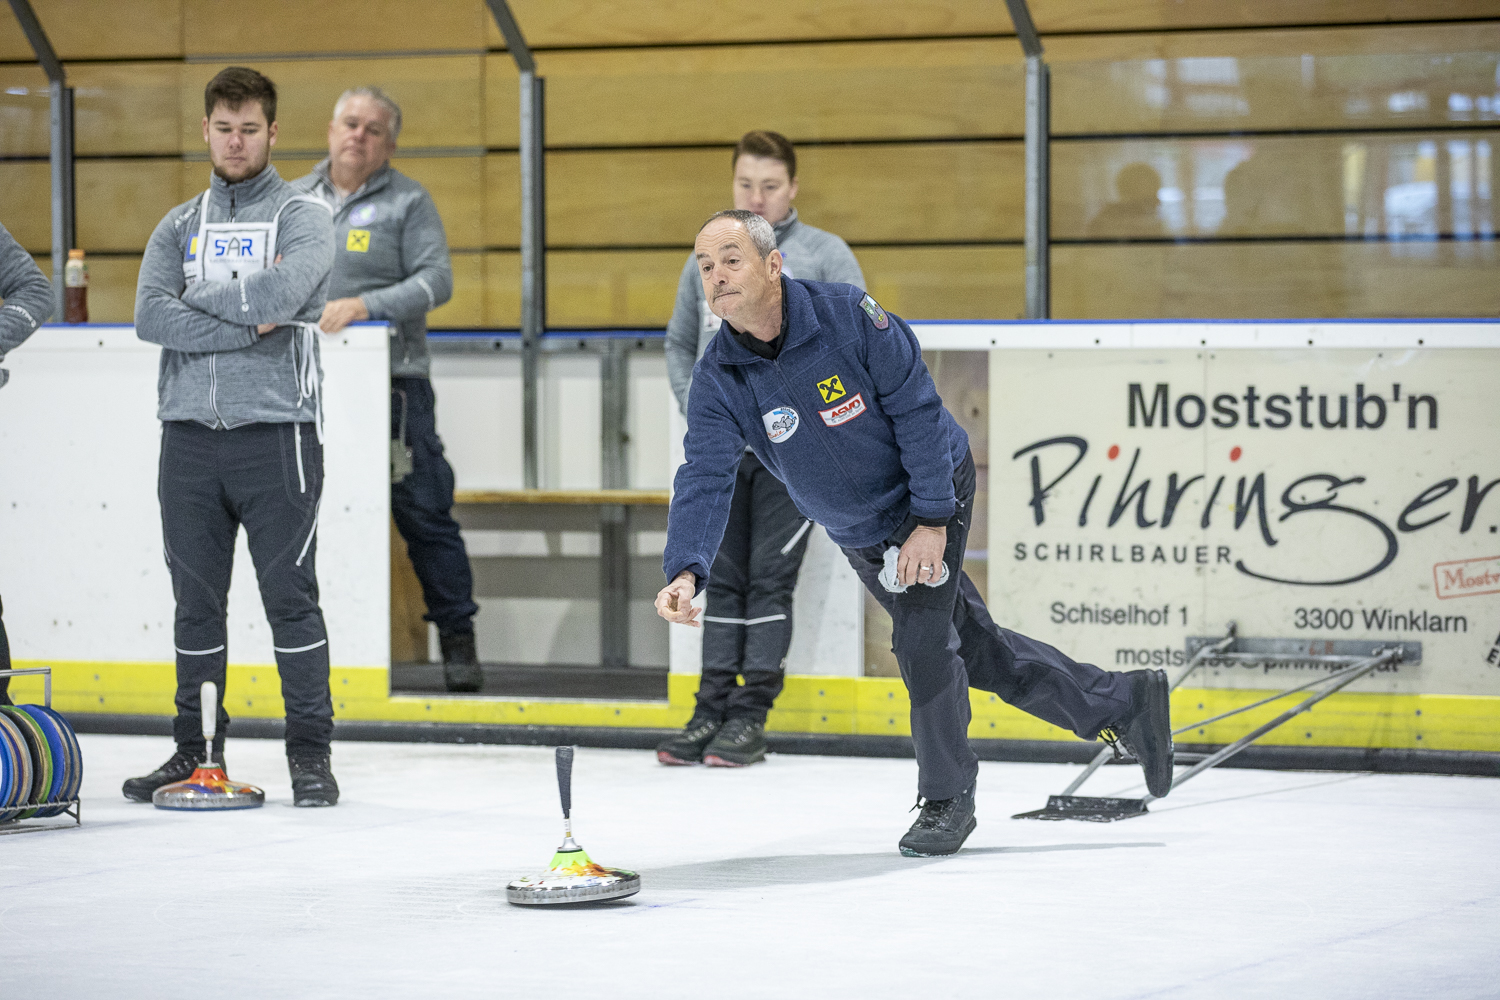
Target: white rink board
82 574
1380 533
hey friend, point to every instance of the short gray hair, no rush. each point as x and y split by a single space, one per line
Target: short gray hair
761 233
380 97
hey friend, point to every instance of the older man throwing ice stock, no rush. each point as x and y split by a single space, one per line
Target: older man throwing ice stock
886 470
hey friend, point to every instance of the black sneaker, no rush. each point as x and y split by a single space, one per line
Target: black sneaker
179 768
942 827
687 746
1146 733
313 783
461 671
740 743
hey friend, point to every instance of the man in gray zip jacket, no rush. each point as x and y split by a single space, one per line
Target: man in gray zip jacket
231 286
391 263
27 297
748 621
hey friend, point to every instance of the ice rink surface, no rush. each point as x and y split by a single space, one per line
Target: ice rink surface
780 880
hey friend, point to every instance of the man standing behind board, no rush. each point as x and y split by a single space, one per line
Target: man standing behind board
232 285
27 298
391 263
748 625
886 470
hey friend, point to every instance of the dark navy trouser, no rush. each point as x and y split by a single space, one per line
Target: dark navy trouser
212 482
422 505
946 643
747 625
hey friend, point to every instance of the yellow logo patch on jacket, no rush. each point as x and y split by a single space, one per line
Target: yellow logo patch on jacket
358 241
831 388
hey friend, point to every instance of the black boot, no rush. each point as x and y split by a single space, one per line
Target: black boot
313 783
687 746
461 671
179 768
740 743
1146 733
942 827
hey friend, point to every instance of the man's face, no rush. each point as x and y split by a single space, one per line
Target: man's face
762 186
239 140
736 281
359 137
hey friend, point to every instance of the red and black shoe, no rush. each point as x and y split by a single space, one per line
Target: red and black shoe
740 743
686 747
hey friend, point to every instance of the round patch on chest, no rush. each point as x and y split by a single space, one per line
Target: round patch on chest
781 423
362 215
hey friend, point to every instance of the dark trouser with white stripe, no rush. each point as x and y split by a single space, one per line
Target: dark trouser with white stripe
269 478
747 626
946 643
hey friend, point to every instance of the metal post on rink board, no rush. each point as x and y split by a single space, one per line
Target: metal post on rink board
72 806
1349 660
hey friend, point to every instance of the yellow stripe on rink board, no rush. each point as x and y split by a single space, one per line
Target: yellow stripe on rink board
875 706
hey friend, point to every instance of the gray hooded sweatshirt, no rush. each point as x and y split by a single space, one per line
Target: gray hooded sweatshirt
811 254
214 368
27 294
391 251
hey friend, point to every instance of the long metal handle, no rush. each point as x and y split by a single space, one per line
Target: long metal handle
1344 678
565 779
1103 755
208 705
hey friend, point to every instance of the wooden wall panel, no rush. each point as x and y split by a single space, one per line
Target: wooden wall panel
884 90
612 288
638 287
121 201
502 289
1275 280
440 98
119 108
466 308
1146 15
502 200
946 282
23 109
1333 78
25 205
864 193
99 29
210 27
456 184
588 22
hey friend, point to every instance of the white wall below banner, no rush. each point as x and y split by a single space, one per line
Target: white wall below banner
81 567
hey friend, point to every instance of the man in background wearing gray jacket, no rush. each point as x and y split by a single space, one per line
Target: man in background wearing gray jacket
748 622
27 297
231 286
391 263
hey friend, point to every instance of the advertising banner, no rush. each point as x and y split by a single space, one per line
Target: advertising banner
1143 495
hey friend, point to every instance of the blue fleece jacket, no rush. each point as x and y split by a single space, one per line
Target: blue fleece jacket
846 416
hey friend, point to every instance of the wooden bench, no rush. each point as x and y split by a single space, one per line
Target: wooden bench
614 550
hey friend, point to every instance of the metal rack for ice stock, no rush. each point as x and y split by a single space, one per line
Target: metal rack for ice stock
74 806
1349 659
